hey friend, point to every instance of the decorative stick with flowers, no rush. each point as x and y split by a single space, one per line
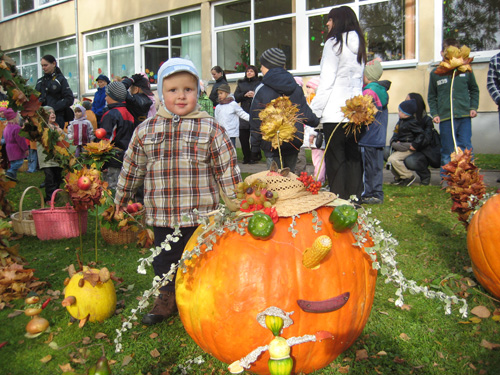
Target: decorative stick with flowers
455 60
278 122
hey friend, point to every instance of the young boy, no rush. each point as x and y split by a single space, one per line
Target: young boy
275 83
182 156
408 136
372 141
228 113
80 130
119 125
138 101
465 104
100 97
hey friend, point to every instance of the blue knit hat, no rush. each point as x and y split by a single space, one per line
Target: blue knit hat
103 77
172 66
408 107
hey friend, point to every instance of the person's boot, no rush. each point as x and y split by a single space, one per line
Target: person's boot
164 306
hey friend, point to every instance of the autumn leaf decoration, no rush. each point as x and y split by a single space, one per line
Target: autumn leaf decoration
98 153
359 111
465 184
278 121
455 59
85 199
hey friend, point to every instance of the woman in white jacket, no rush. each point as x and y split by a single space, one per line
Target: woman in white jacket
341 78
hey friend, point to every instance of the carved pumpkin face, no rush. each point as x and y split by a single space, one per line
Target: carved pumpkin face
482 242
222 292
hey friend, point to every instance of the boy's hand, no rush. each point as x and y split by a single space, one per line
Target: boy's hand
412 148
436 119
473 113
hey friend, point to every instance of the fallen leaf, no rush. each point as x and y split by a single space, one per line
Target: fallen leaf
398 360
153 335
53 345
489 345
66 368
381 353
86 340
404 337
496 318
475 320
15 313
481 312
100 335
361 354
154 353
383 312
406 307
343 369
440 355
126 360
46 359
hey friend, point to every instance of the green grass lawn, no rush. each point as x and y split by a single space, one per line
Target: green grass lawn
432 249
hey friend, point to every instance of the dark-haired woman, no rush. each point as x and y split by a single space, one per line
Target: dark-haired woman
244 94
54 89
220 77
341 78
429 153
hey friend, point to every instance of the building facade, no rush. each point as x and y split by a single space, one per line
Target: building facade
122 37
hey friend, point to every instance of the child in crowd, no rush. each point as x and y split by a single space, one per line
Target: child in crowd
183 157
315 139
138 99
373 141
15 145
204 101
119 125
408 136
228 112
51 169
100 97
80 129
90 114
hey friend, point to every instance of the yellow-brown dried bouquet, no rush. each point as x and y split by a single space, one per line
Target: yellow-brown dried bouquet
359 111
278 121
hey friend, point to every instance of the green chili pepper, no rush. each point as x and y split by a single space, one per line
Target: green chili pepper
343 217
260 226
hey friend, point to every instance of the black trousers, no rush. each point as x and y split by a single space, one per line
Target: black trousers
344 164
163 261
53 179
245 144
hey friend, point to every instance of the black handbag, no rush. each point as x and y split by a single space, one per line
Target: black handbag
319 138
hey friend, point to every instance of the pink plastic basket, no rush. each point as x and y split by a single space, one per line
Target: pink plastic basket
56 223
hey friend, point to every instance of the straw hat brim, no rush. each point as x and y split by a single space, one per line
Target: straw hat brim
293 198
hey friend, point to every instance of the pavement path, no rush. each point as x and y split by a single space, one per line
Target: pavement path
490 176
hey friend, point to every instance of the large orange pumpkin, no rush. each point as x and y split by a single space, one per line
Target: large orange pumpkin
483 239
222 292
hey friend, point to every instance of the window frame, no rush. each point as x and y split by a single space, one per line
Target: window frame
301 18
138 45
36 8
38 47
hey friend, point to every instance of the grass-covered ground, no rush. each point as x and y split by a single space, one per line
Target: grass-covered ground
419 339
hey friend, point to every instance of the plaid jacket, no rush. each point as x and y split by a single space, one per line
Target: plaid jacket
181 161
493 80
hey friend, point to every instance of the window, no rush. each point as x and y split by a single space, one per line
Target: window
244 29
28 61
12 8
143 46
473 23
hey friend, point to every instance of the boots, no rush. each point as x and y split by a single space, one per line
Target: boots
164 306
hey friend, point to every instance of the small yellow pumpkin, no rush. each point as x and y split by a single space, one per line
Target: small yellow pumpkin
88 302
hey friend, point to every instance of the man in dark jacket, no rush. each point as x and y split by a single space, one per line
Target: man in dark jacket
275 83
138 102
119 126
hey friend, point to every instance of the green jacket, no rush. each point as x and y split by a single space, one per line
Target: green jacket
465 95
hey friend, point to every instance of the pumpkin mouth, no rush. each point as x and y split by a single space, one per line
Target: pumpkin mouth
327 305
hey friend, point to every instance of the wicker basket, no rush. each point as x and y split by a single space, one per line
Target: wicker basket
56 223
22 221
122 237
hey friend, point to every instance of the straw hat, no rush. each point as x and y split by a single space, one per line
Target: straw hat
293 198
